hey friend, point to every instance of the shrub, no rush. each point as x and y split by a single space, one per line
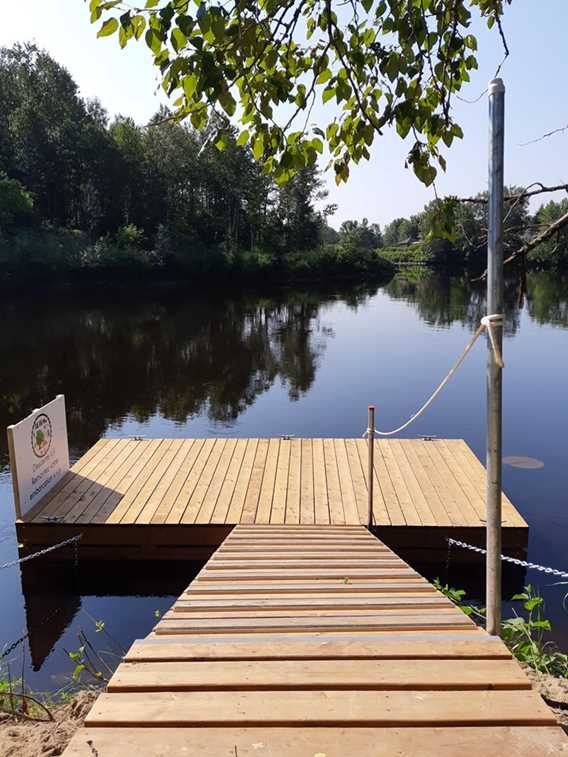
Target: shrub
16 204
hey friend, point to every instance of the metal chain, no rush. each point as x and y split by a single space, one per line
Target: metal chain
41 552
522 563
47 619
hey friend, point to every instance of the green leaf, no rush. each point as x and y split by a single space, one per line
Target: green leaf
324 76
108 28
367 4
328 93
243 138
153 41
77 672
178 39
258 147
190 85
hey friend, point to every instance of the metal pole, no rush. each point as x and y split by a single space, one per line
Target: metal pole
370 471
494 378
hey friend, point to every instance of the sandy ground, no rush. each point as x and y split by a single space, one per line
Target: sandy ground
554 691
28 739
25 739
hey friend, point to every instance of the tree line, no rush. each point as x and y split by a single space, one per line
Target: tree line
80 191
461 239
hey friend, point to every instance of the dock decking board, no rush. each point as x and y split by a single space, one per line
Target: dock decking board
272 481
324 670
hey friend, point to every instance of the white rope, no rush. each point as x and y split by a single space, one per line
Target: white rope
486 324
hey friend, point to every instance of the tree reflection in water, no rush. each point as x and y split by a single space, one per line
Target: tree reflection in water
176 352
179 353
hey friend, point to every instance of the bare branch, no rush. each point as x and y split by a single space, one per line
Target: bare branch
561 130
544 236
521 196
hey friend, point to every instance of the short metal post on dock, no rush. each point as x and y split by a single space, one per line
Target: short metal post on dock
371 443
494 377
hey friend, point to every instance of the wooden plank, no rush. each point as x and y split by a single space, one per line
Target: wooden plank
419 500
420 620
39 510
336 511
330 562
454 515
255 483
183 496
359 482
264 508
302 555
308 742
299 614
476 500
306 587
394 509
477 474
377 675
307 497
313 574
241 487
207 474
321 501
393 708
294 477
440 515
213 491
380 513
107 499
172 494
170 466
79 484
138 494
90 501
221 511
148 449
346 482
399 484
330 601
278 512
363 645
455 491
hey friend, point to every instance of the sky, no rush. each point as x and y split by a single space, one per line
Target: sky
535 76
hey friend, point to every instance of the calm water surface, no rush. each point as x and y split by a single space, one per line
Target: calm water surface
181 363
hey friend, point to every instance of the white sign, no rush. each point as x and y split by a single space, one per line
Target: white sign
39 453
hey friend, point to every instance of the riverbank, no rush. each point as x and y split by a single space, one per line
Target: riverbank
55 255
47 738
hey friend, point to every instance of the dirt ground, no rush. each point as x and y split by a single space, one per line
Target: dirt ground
27 739
554 691
31 739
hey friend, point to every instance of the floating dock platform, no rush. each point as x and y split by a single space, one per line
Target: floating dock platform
179 498
316 641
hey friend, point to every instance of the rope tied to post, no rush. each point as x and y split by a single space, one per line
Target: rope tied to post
487 323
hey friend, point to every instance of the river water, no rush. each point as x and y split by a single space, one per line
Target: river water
175 362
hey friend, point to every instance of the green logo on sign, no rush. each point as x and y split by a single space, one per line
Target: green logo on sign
41 435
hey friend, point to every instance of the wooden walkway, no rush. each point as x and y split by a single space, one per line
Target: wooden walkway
162 482
304 641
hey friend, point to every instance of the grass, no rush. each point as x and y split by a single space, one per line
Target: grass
524 633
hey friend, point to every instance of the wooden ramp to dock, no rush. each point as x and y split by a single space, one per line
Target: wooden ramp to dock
166 494
305 641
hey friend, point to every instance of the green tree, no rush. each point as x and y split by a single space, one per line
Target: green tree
395 63
554 251
16 204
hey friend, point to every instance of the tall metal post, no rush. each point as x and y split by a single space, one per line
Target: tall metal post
494 378
370 470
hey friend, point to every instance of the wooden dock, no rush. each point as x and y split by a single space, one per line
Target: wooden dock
162 498
309 641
